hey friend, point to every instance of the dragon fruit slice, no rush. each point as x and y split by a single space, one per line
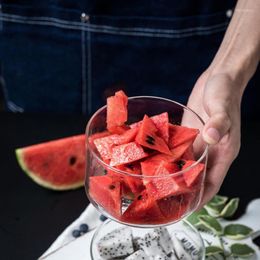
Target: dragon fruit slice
138 255
150 245
164 239
179 249
117 243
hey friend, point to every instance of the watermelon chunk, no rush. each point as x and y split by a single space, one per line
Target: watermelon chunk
192 175
106 192
143 209
161 122
105 144
127 153
179 135
97 136
179 151
147 137
57 165
189 154
162 187
135 184
116 110
174 207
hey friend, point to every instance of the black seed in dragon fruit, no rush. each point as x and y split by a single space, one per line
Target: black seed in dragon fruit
116 244
164 239
150 244
138 255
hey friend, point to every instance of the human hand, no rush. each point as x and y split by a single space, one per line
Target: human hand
216 99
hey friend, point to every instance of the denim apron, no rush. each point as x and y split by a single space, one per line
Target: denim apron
68 56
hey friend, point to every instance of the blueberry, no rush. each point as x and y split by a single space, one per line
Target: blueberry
83 228
102 218
76 233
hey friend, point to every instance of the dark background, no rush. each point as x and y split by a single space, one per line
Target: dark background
32 217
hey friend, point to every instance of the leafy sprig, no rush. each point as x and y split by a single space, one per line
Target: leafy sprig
208 217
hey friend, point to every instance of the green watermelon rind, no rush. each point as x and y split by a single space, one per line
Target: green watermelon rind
40 181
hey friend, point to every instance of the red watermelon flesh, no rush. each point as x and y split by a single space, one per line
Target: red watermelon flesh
134 183
161 187
179 135
175 207
143 210
116 110
106 192
105 144
179 151
58 165
92 137
147 137
193 174
189 154
127 153
161 122
122 95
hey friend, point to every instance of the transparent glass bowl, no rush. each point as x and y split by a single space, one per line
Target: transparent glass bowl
173 208
189 243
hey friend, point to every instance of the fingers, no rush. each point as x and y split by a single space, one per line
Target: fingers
216 127
219 100
213 182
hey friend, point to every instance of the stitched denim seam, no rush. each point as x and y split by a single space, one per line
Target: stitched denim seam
89 73
118 32
78 25
83 70
103 28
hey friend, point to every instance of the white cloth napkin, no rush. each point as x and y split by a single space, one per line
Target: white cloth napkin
91 217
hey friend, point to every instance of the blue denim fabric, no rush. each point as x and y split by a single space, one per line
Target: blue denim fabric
68 56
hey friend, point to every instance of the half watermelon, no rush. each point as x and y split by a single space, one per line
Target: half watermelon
57 165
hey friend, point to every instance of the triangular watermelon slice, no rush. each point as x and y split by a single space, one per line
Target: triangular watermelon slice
191 176
105 144
179 135
135 184
161 122
57 165
127 153
106 192
143 210
147 137
163 186
116 110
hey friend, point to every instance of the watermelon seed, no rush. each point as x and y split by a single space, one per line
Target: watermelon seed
180 164
150 140
111 187
73 160
139 197
130 166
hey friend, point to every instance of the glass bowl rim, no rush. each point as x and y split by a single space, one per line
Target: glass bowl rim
204 154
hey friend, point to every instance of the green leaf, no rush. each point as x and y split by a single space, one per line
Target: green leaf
217 200
213 250
230 208
216 205
193 218
237 231
211 223
213 211
242 250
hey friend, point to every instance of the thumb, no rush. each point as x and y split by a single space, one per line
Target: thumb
216 127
